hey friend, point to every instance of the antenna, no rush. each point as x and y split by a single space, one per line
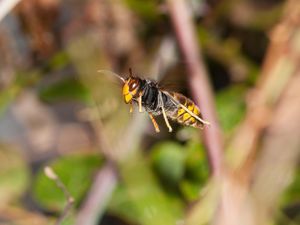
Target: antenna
111 73
130 72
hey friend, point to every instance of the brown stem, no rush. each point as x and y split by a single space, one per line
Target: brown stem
280 153
280 64
198 79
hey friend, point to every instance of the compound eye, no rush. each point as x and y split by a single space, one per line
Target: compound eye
133 85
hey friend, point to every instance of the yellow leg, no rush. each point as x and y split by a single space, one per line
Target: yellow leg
131 108
140 102
166 119
154 123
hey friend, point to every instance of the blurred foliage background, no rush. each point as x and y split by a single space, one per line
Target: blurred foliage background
58 111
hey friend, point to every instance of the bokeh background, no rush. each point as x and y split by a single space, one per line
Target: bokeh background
239 60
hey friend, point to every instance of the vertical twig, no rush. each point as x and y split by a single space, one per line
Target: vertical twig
280 153
198 79
280 64
70 200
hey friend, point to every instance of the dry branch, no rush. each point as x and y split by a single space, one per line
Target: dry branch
281 63
236 204
280 153
270 109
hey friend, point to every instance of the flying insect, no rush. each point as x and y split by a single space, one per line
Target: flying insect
155 101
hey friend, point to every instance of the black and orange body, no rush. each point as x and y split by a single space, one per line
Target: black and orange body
155 101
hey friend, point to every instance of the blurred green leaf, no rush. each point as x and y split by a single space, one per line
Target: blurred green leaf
124 204
231 107
190 190
197 171
292 194
14 174
169 161
75 171
7 95
67 89
141 199
69 220
147 9
121 204
60 60
197 168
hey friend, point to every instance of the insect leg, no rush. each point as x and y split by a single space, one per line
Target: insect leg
131 107
140 102
164 113
154 123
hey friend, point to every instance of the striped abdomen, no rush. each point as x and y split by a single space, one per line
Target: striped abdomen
182 115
